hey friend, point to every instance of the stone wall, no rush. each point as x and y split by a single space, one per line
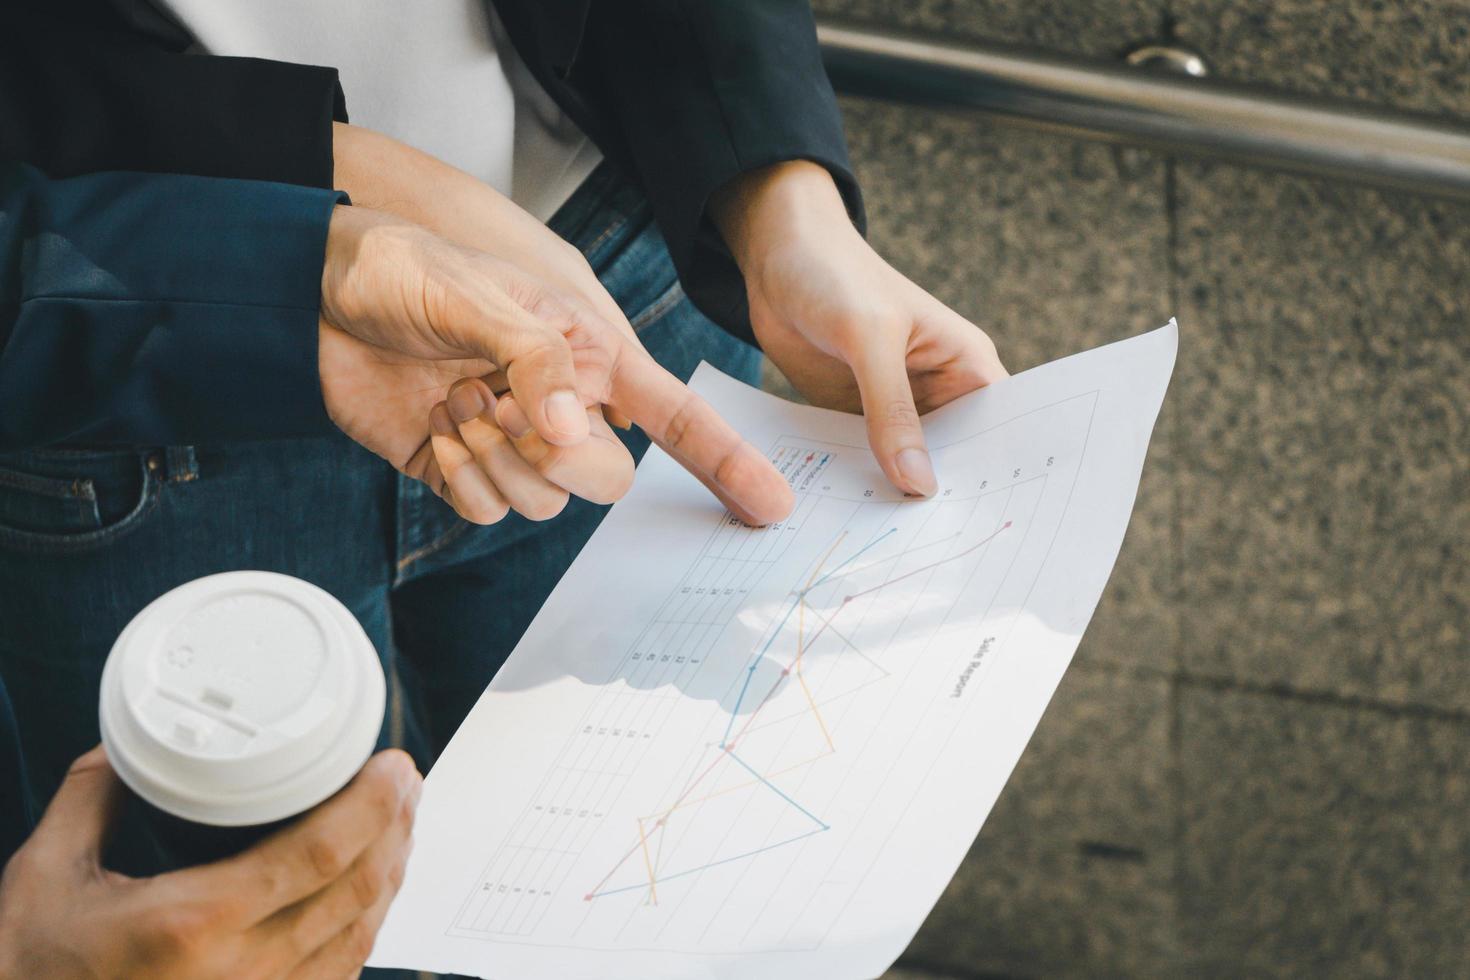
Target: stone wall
1259 763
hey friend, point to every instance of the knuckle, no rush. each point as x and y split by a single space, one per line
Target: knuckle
367 883
384 801
545 506
852 325
487 512
677 430
397 873
540 347
449 468
574 257
359 941
326 856
27 865
219 911
170 934
612 488
270 876
900 413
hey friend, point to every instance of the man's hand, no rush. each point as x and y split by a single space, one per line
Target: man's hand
850 331
406 313
305 902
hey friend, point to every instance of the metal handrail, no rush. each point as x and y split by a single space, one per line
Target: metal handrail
1169 112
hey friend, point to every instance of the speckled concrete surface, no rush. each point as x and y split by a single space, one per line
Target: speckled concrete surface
1406 53
1094 27
1325 482
1322 841
1005 226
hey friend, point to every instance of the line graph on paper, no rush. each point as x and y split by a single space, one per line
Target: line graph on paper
713 791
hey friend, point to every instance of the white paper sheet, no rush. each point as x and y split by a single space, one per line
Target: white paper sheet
731 752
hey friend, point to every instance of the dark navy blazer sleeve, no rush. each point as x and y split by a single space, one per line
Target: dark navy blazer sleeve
684 96
81 93
706 90
158 310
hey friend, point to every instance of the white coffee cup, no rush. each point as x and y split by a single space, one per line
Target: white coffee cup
241 699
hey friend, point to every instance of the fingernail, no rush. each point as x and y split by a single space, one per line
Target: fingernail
466 402
565 413
440 421
511 419
917 471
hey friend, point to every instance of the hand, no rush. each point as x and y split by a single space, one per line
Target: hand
522 472
305 902
405 313
848 330
386 175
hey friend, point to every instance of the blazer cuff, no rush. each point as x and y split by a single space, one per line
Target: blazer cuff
710 276
162 310
703 93
80 99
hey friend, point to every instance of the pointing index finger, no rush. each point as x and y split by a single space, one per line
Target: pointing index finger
690 430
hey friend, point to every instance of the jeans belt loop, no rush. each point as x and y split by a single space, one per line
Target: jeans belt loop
182 464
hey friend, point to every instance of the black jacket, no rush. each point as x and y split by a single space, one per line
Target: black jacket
682 95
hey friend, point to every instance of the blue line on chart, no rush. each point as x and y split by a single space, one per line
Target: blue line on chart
772 787
735 712
852 558
704 867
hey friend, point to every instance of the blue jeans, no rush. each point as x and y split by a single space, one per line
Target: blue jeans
89 536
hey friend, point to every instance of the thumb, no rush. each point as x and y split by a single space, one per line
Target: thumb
894 431
75 825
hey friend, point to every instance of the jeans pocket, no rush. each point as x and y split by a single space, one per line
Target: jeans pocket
69 500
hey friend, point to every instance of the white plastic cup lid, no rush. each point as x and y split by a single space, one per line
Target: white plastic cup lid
241 699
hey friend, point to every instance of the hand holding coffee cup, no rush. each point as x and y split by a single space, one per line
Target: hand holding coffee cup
305 902
235 702
236 707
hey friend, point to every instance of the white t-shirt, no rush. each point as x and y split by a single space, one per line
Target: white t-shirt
439 75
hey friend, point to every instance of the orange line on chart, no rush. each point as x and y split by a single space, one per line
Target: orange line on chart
647 863
750 782
827 625
681 801
826 622
801 644
800 678
818 570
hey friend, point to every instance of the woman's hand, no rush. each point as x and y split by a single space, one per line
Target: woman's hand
846 328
